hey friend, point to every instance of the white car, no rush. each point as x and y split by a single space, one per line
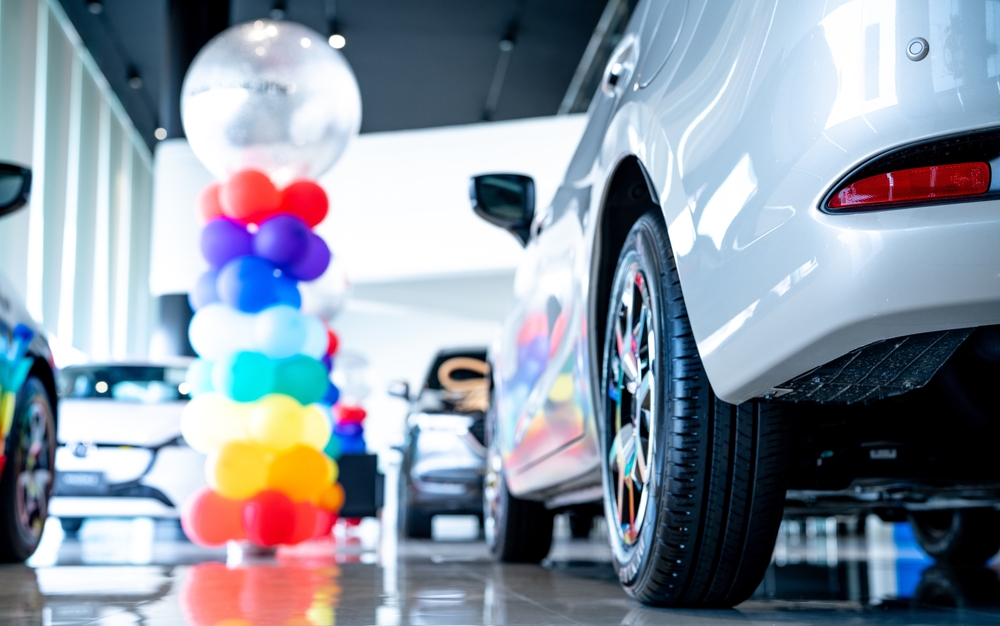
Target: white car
770 281
120 451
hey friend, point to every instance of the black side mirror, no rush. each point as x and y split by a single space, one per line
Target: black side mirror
15 186
505 200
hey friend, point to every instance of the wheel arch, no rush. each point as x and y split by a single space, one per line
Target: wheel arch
41 370
629 195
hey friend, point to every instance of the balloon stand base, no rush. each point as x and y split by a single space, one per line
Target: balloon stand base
241 552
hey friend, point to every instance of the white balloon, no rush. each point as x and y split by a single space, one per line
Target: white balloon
316 338
217 331
272 96
280 331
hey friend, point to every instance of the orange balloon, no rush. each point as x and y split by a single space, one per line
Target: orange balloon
207 204
332 499
300 473
211 520
249 196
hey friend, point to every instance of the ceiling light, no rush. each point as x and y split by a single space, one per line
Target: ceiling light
160 133
306 42
337 41
95 6
134 80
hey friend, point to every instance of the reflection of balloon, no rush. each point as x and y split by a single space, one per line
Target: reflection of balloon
248 283
558 330
217 330
207 204
211 594
222 240
299 472
248 196
307 200
301 377
204 292
276 422
535 325
280 331
211 520
269 518
238 470
315 261
211 420
270 95
316 426
244 376
281 239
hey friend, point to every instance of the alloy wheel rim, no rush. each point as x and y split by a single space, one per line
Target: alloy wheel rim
34 476
631 388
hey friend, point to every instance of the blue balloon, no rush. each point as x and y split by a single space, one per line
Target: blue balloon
288 292
248 283
331 396
204 290
352 444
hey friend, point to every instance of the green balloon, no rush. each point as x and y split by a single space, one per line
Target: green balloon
332 448
301 377
244 376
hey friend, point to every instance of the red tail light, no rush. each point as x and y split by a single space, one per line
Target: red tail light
915 185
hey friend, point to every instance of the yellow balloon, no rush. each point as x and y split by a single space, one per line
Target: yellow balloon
276 421
332 470
300 473
211 420
239 470
316 426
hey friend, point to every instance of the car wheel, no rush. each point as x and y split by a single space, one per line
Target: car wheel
71 525
517 531
580 525
28 473
958 536
418 523
694 487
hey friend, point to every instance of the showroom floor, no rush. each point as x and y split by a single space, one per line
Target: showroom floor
138 572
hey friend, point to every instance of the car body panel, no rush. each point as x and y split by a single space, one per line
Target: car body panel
94 420
755 111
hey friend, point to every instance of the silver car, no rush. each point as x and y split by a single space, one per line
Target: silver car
769 282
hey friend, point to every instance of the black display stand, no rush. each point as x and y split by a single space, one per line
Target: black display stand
364 486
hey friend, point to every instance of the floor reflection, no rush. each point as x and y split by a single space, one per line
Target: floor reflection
140 572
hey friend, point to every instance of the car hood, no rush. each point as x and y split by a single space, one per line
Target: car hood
117 422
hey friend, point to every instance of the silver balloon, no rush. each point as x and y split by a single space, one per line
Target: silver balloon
272 96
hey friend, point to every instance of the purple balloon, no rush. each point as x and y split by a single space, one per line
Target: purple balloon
315 261
204 290
348 429
282 239
223 240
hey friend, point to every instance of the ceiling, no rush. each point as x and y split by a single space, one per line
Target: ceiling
419 63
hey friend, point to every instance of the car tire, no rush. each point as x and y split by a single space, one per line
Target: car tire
418 523
580 525
28 473
71 525
517 531
958 536
694 486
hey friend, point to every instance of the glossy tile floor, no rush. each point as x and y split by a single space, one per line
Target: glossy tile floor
138 572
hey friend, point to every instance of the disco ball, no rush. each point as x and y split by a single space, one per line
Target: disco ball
272 96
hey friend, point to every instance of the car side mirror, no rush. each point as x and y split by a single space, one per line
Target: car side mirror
399 389
15 186
505 200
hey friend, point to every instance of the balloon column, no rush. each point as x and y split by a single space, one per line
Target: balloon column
265 105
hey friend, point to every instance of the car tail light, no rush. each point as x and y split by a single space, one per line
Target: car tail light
914 185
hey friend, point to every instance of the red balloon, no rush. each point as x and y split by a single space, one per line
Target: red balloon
209 519
324 523
332 342
354 414
307 200
249 196
207 206
269 518
305 522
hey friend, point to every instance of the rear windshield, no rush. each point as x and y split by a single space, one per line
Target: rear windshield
129 383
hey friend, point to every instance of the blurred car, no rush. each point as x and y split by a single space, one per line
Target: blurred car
121 453
443 457
769 281
28 404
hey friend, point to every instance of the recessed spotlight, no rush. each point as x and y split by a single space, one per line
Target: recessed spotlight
101 386
337 41
160 133
134 80
306 42
96 7
260 51
259 24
